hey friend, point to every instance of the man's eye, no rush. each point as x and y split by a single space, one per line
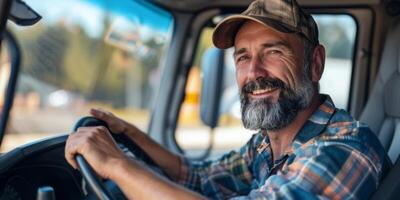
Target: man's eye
273 52
242 58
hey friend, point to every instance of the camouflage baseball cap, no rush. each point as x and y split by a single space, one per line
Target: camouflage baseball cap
283 15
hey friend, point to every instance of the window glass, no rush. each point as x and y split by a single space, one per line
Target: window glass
85 54
337 34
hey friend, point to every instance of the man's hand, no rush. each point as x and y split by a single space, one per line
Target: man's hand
100 150
115 124
168 162
97 146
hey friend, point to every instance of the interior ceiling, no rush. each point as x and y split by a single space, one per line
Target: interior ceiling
196 5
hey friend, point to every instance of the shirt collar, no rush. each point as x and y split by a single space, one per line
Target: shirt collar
315 125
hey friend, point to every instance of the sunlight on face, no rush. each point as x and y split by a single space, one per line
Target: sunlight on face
271 74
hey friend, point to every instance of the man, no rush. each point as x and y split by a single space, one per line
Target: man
305 147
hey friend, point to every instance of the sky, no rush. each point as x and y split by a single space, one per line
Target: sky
87 13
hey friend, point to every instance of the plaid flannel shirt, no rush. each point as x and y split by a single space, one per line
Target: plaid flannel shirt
333 156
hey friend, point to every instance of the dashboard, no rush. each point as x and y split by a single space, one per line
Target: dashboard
27 168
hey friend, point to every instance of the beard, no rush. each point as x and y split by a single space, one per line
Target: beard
267 115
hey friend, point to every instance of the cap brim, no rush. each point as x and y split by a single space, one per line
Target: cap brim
225 32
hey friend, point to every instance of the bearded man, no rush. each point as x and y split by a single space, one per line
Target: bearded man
305 148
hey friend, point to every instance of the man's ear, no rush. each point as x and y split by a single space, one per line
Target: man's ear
318 63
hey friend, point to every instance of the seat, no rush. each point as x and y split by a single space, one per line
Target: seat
389 188
382 112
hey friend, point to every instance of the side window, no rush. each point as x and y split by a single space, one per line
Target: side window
85 54
337 34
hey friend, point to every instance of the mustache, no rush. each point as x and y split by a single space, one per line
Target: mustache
263 83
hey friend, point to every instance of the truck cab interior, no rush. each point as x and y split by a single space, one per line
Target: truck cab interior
153 63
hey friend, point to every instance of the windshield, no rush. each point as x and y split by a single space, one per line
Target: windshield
86 54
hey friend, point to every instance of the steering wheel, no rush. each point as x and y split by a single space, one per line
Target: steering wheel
94 182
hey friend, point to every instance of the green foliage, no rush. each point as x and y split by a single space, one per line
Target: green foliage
66 57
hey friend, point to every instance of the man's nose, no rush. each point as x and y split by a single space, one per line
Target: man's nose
257 69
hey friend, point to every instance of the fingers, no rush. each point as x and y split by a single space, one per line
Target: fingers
101 114
97 146
70 152
115 124
78 142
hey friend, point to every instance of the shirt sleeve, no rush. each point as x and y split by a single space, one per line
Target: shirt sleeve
334 171
225 177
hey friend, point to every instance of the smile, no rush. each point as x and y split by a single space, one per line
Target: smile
263 91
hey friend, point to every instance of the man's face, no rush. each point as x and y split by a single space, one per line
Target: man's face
274 83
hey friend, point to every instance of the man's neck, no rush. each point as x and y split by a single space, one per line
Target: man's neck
280 139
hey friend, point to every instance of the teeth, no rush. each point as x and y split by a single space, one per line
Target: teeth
263 91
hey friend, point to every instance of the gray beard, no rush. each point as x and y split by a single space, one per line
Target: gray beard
266 115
